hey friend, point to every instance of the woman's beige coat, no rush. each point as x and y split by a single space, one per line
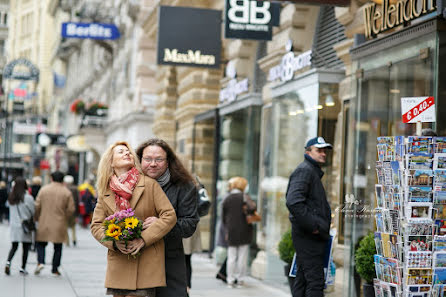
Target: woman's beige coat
54 205
147 270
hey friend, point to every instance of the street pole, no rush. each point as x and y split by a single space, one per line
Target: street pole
5 140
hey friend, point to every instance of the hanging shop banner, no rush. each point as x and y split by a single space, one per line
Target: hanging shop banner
418 109
90 31
189 37
250 19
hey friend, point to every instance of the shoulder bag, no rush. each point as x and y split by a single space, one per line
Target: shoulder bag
204 204
28 225
249 208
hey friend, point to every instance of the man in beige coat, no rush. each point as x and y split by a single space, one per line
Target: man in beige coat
54 205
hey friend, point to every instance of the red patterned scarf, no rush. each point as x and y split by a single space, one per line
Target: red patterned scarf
123 187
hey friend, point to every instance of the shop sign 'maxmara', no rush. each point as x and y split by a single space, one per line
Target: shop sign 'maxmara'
390 15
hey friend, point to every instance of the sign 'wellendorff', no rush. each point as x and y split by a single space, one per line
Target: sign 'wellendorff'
391 15
90 31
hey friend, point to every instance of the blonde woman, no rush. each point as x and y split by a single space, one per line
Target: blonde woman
121 185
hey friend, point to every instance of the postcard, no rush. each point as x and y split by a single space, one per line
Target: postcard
439 144
422 228
420 194
420 177
439 259
439 161
419 276
419 161
420 243
419 211
379 194
439 276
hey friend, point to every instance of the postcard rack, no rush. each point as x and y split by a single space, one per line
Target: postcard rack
410 217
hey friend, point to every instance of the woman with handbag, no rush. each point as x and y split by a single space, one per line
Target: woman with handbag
21 208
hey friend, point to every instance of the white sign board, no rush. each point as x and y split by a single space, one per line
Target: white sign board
418 109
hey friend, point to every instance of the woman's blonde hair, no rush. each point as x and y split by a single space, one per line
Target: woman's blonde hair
105 170
238 182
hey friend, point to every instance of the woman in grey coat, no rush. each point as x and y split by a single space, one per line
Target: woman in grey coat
21 207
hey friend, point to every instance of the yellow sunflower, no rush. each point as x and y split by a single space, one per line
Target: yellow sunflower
131 222
114 231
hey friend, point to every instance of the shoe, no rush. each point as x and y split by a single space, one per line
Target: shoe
38 269
74 243
231 286
23 271
240 284
56 272
221 277
8 268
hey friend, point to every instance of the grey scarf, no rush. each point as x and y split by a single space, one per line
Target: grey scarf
164 178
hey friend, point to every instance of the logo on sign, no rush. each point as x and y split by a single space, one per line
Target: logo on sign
289 64
92 31
249 19
418 109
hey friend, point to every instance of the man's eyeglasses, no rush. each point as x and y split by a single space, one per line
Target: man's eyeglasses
157 160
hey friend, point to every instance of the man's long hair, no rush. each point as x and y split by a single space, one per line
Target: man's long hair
17 194
178 173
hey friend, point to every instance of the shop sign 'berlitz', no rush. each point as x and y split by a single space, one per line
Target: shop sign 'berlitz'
390 14
90 31
189 37
289 64
250 19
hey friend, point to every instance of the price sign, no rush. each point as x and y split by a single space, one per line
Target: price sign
418 109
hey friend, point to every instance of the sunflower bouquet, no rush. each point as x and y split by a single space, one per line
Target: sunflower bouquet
123 226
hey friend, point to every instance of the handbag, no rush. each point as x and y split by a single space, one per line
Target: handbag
204 204
253 218
28 225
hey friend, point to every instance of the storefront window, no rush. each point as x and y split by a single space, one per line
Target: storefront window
385 78
293 118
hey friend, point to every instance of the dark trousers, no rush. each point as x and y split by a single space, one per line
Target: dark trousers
41 245
25 248
309 280
188 270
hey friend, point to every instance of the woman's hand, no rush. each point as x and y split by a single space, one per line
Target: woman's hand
120 245
134 246
148 222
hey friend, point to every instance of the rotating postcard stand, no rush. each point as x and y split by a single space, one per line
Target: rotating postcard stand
410 217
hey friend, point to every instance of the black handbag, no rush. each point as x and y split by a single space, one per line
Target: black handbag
204 204
28 225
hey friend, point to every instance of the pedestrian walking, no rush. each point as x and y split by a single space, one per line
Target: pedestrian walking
68 181
238 232
54 205
4 209
159 162
36 184
121 185
310 217
87 202
21 208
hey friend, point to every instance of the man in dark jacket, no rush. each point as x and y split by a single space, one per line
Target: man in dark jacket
159 162
310 217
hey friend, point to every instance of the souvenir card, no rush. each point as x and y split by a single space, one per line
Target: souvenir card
394 270
439 211
400 148
439 180
440 227
388 197
394 290
419 291
379 194
378 243
420 194
419 259
419 144
439 161
396 201
390 245
421 228
386 148
439 243
385 289
420 243
439 276
440 259
439 144
439 291
377 286
379 221
419 211
391 221
420 177
396 172
419 276
439 197
419 161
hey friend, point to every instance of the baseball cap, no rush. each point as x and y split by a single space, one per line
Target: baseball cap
318 142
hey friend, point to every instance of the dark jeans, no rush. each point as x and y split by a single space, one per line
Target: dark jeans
309 280
188 270
40 245
25 248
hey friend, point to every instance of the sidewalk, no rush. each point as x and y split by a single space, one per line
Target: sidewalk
83 272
